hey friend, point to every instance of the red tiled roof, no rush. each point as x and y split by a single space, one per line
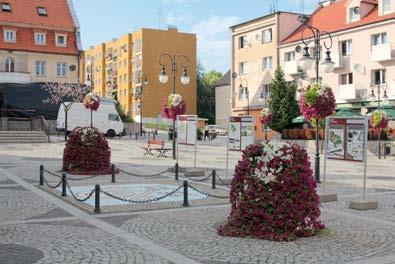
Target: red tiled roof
333 18
25 12
25 20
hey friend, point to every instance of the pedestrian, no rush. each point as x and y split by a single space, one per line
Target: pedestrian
206 135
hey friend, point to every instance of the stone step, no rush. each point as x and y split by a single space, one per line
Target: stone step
21 135
9 137
8 132
23 141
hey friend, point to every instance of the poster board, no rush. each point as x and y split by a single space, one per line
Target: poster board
187 129
241 132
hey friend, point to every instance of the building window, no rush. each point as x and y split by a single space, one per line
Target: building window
354 13
61 69
9 35
41 11
61 40
9 65
346 47
41 68
379 39
5 7
267 36
265 91
289 56
267 63
386 6
346 79
39 38
243 91
243 42
379 76
243 68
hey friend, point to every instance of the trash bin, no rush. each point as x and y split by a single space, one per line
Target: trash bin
171 134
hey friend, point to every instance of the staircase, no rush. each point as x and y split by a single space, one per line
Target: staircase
22 137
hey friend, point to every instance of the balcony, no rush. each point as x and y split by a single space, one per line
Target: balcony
383 52
347 92
291 67
15 77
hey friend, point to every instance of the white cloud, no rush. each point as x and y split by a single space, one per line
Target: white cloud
173 19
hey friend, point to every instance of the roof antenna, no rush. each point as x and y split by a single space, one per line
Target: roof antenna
159 12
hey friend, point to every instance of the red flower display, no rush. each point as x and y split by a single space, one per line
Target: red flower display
87 152
265 116
273 194
91 101
172 106
378 119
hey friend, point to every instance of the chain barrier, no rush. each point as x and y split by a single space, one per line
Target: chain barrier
142 201
144 176
78 199
53 186
208 194
72 178
199 180
223 183
52 173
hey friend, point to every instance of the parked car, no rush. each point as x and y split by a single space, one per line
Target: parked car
106 118
217 129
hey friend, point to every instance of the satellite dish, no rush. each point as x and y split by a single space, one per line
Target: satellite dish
72 68
359 68
234 76
356 10
298 49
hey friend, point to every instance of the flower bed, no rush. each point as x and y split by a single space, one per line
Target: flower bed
87 152
273 194
172 106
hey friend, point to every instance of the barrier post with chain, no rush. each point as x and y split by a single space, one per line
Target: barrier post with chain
64 194
185 185
97 199
213 179
176 171
41 175
112 173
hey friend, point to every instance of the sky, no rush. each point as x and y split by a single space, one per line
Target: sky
102 20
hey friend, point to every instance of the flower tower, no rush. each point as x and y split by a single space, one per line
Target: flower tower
378 119
172 106
91 101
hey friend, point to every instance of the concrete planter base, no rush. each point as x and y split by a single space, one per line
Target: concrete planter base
194 173
363 204
327 197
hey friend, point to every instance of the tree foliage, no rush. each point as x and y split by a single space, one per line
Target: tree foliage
206 93
283 103
121 112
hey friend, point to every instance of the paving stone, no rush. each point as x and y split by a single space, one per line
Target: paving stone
19 254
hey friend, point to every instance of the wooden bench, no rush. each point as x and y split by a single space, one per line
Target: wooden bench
156 145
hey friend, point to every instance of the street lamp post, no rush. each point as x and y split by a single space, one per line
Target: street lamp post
163 78
89 83
263 98
306 63
385 101
244 88
143 81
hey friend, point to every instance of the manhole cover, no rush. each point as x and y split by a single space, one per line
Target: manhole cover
18 254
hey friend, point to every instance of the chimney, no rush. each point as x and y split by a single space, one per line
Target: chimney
327 3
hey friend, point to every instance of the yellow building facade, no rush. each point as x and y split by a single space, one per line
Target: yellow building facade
119 65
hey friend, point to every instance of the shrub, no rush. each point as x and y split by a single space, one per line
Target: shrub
273 194
309 134
86 152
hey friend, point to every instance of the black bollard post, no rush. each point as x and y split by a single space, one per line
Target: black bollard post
213 179
41 175
149 134
176 171
153 135
97 199
112 173
64 194
185 194
136 135
130 133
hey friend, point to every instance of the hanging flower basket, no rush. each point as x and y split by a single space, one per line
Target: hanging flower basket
266 116
172 106
317 102
273 194
91 101
378 119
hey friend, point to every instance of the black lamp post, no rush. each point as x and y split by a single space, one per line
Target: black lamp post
244 88
143 81
385 101
89 83
306 63
163 78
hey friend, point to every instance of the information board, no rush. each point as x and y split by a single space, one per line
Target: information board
241 132
187 129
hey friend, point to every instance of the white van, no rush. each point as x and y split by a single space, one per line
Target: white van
106 119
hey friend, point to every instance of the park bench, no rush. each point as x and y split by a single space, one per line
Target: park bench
156 145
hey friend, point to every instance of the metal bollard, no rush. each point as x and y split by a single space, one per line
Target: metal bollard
213 179
153 136
112 173
176 171
185 194
97 199
136 135
64 194
41 175
149 134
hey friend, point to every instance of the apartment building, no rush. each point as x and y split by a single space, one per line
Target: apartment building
255 59
121 66
363 50
39 41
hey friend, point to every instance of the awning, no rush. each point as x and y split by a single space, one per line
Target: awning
347 112
388 109
298 120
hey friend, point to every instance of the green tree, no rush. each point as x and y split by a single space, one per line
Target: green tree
121 112
206 93
283 103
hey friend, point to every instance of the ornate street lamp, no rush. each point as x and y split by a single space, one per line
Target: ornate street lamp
306 63
185 79
244 88
89 82
143 81
384 99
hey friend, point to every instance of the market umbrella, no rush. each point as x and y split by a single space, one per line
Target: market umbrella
347 112
299 120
